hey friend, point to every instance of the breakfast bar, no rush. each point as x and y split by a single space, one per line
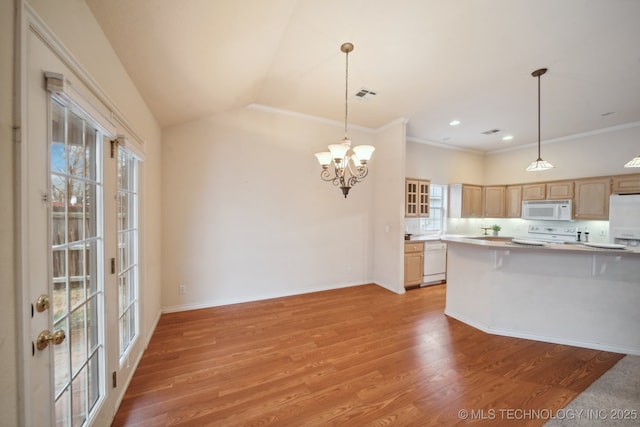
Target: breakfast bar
562 293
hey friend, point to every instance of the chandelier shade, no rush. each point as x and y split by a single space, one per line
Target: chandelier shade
349 164
539 164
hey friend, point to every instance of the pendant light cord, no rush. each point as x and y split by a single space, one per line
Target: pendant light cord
539 158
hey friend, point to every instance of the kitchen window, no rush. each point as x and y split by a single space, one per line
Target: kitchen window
437 204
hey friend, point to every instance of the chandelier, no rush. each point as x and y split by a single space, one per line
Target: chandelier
539 164
349 164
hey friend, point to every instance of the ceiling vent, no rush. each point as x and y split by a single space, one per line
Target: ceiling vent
491 132
365 94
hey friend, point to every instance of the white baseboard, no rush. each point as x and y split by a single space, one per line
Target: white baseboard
221 302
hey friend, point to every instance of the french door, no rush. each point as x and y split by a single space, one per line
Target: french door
69 290
78 239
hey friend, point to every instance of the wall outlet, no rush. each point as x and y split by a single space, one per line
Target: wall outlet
182 289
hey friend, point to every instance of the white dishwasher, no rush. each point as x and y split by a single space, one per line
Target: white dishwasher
435 263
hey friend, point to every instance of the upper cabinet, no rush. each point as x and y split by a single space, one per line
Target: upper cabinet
416 197
513 201
625 184
557 190
592 198
493 201
536 191
465 201
560 190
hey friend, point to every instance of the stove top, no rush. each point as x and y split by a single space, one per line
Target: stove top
559 234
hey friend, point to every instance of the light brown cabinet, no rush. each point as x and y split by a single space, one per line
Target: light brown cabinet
465 201
536 191
513 201
416 197
625 184
493 201
592 198
413 263
560 190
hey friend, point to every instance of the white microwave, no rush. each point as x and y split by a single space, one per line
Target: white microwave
553 210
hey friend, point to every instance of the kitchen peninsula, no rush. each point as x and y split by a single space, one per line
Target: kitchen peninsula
562 293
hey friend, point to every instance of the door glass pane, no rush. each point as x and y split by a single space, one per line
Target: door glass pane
90 218
61 360
63 409
75 146
78 340
94 384
92 325
79 398
76 253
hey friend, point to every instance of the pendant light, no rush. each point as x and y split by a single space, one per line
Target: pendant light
539 164
349 164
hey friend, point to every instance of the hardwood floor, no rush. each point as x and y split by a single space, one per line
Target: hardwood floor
356 356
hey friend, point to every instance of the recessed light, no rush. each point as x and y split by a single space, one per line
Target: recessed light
507 137
454 122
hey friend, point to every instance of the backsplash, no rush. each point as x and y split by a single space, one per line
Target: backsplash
511 227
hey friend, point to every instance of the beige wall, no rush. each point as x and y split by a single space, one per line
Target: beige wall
443 165
388 207
8 378
604 153
246 215
600 153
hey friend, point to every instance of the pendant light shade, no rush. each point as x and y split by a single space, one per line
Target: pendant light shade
539 164
633 163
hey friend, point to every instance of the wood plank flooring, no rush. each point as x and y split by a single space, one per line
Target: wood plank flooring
355 356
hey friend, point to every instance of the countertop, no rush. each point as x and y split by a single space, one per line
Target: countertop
506 243
424 238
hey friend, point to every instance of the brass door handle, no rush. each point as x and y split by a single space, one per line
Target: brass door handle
47 337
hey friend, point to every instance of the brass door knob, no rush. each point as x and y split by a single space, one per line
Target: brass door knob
42 303
47 337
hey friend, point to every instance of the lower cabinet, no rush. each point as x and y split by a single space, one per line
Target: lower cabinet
413 263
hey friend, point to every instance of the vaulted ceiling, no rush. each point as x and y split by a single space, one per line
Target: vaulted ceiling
428 61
